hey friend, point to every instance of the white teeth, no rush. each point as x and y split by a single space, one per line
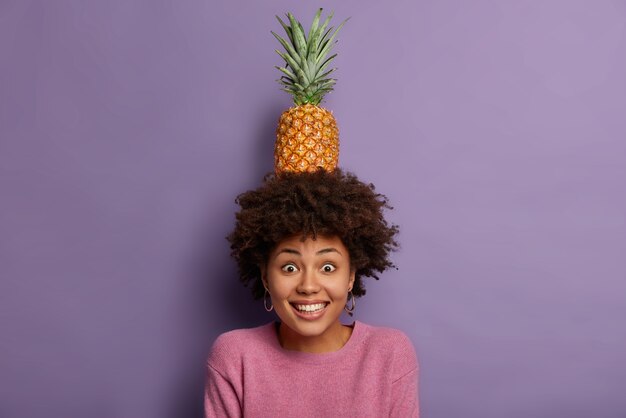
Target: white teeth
310 308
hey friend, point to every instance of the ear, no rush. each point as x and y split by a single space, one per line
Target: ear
263 270
352 278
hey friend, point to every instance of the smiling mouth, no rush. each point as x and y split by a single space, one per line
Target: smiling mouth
310 308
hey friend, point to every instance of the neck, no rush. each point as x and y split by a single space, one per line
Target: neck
332 340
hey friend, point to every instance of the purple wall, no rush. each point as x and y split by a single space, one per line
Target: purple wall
496 128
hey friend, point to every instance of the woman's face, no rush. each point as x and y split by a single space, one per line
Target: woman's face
309 283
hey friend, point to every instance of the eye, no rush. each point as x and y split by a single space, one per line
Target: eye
289 268
328 268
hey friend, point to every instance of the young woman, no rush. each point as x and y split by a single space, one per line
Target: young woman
304 242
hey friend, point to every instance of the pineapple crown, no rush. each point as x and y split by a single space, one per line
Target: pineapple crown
306 75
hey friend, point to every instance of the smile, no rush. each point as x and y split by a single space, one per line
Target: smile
309 311
312 308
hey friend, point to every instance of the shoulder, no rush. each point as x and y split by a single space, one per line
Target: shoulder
386 337
232 346
393 344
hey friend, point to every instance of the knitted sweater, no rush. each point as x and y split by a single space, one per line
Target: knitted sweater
373 375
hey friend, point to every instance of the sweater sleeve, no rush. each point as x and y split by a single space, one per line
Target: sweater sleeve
220 398
405 400
404 389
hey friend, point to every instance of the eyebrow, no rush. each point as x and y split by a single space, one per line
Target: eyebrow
320 252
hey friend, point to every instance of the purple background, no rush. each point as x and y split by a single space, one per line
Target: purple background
496 128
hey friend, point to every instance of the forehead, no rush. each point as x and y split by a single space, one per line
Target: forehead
311 245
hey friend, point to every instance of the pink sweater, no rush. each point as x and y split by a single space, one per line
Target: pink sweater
251 375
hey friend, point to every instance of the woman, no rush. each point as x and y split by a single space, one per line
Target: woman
304 242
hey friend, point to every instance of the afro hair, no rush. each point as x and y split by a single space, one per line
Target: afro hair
312 204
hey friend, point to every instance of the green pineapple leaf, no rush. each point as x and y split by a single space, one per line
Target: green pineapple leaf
306 74
286 27
313 30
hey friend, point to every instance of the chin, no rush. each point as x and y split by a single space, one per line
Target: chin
309 327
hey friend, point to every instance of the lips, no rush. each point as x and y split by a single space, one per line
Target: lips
309 310
312 307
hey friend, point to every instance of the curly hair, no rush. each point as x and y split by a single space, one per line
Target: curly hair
311 204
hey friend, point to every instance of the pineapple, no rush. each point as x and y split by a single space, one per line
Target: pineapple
307 137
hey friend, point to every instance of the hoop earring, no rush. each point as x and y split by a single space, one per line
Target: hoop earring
271 307
350 309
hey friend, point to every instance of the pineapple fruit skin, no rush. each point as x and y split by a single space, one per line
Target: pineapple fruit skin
307 139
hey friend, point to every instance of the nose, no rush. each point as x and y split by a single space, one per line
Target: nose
309 283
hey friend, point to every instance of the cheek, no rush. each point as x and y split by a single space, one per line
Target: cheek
341 293
339 288
278 287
